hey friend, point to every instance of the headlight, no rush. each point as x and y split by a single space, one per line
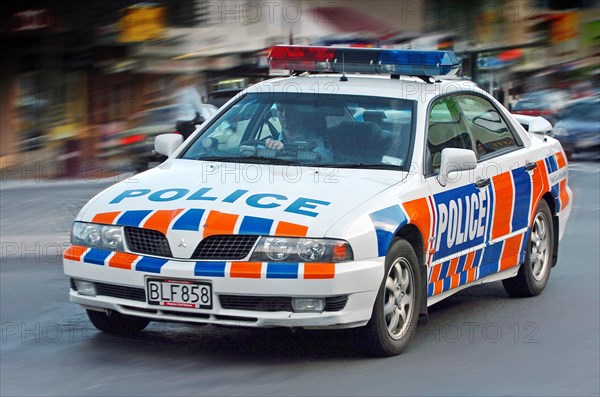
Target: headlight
287 249
560 132
97 236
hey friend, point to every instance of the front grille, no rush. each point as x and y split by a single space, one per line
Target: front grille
230 247
256 303
230 302
146 241
275 303
120 291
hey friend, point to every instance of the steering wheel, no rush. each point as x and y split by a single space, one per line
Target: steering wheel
272 129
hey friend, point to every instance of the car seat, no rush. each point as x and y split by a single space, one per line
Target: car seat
361 143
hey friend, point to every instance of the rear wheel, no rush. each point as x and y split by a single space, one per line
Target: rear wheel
396 309
116 323
534 273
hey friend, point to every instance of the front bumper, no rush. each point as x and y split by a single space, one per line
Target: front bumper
359 281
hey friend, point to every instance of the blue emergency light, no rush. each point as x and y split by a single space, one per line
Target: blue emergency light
363 60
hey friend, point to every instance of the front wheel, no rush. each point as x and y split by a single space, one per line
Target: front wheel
116 323
535 271
396 311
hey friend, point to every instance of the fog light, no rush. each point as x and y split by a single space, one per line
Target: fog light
85 288
308 305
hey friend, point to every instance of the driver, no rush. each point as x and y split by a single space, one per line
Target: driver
296 126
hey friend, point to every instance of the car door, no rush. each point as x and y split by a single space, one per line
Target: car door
460 209
503 163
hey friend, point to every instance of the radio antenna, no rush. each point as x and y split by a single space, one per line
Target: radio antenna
343 78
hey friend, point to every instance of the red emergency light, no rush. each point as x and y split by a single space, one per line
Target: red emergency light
363 60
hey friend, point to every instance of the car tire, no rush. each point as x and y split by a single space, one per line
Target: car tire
534 272
396 309
115 323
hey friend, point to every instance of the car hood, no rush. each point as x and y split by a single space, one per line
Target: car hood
191 200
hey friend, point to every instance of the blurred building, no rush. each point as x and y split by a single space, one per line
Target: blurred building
512 47
79 72
66 82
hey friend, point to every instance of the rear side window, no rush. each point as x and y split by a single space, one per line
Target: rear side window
488 129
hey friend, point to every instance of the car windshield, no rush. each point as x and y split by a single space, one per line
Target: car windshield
311 130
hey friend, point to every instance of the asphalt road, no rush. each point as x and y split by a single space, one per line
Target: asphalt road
477 342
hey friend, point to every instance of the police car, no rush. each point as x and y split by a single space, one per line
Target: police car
394 190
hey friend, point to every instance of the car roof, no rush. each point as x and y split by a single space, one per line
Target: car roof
369 85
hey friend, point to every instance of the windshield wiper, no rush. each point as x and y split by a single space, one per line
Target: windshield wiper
365 166
280 161
251 159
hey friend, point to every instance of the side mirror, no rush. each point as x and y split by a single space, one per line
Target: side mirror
166 144
539 125
454 160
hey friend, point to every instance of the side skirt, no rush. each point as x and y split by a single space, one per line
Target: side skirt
508 273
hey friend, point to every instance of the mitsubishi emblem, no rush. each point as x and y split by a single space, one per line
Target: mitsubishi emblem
182 244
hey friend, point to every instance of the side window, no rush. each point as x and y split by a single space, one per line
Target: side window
487 127
447 129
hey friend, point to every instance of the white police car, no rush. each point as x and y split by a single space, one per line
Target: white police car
350 200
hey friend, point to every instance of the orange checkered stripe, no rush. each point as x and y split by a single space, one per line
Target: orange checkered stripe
215 223
476 264
506 219
197 220
231 269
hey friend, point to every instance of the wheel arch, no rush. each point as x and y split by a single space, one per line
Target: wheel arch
551 201
413 236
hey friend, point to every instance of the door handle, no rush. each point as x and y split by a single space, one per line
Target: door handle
530 166
482 183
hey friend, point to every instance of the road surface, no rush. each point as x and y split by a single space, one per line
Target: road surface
478 342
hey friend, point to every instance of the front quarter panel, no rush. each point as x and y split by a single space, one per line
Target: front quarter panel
371 227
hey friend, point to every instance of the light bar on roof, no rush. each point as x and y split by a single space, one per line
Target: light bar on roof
363 60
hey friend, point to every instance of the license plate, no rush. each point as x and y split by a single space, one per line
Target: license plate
179 293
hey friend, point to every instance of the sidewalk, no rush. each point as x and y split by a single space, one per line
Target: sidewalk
53 174
81 181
